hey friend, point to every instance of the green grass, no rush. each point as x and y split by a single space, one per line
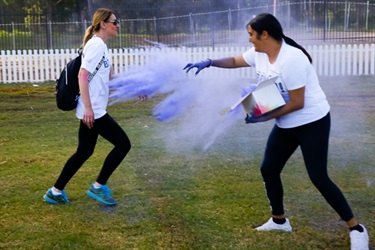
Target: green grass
175 200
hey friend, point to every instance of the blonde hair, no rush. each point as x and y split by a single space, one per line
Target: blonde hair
99 15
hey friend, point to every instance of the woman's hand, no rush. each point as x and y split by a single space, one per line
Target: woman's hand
88 118
255 119
200 65
88 115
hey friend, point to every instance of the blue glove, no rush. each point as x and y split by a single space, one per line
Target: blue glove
253 119
249 119
200 65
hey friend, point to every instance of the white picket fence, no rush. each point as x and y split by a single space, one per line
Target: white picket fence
46 65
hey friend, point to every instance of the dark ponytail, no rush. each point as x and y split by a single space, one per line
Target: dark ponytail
269 23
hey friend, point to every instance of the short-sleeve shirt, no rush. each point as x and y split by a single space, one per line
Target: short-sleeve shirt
92 54
294 71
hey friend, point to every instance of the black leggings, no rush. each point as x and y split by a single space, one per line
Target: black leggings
313 139
108 128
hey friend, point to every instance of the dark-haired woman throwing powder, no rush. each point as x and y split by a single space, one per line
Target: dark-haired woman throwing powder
304 121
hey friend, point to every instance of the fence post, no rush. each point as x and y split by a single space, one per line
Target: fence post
119 35
13 61
347 16
345 57
325 21
288 14
350 56
274 7
47 35
35 65
156 30
372 58
367 14
309 17
14 36
192 29
331 59
24 64
19 69
9 62
84 26
3 66
360 59
50 35
230 19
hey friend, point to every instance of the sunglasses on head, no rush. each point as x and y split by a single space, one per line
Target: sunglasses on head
115 22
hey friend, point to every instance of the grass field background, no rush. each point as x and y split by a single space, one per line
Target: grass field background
179 199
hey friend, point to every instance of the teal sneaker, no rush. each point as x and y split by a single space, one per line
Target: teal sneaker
102 194
56 199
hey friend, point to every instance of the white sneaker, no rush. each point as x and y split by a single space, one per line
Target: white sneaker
270 225
358 240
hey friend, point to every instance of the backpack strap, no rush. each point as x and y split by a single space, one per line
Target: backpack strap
89 78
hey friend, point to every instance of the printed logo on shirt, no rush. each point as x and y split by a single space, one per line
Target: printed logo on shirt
283 90
106 63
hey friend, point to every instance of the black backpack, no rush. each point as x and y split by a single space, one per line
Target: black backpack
67 87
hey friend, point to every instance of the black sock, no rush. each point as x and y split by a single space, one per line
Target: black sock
359 228
279 221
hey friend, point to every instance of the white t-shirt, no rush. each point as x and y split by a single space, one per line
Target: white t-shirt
92 54
294 71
